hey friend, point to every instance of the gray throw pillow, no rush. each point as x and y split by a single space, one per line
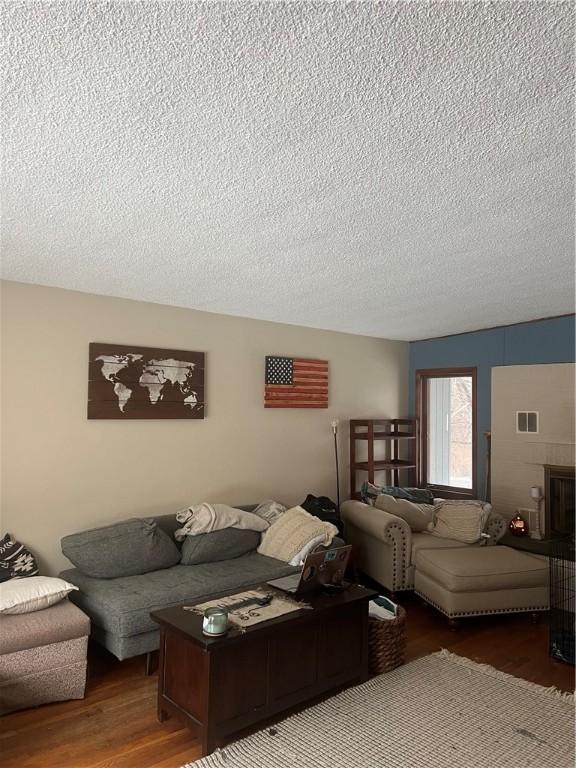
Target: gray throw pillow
218 545
128 548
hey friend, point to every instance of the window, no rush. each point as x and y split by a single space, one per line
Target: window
527 421
446 410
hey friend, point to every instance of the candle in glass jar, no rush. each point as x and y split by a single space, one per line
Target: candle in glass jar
215 621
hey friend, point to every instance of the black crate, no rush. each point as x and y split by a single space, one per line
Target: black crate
562 599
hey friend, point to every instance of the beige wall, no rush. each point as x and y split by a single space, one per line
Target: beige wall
63 473
518 459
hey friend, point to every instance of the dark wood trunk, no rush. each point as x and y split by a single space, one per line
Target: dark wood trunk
220 687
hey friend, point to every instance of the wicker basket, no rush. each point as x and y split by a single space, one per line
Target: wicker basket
386 643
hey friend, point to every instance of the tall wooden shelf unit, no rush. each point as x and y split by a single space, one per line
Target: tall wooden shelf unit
401 454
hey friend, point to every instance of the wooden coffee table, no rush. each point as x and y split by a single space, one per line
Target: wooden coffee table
219 686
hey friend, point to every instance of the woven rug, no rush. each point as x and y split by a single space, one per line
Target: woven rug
441 711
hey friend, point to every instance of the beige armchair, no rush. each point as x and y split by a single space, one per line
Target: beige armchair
382 544
385 548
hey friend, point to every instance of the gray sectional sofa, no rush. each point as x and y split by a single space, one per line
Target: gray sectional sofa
119 608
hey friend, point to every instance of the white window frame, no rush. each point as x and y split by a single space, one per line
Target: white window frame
528 431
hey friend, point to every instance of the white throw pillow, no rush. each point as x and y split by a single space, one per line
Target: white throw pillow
32 594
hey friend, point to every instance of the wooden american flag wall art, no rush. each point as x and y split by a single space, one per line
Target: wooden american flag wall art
296 382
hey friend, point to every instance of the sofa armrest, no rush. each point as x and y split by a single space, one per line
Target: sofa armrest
386 541
495 527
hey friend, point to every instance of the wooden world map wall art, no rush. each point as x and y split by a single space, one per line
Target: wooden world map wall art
144 383
296 382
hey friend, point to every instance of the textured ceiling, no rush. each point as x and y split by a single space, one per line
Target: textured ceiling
397 169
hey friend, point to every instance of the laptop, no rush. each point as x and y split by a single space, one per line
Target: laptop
320 569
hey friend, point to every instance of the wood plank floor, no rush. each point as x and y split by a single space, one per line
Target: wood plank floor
115 726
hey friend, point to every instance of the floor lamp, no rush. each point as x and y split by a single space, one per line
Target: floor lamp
335 433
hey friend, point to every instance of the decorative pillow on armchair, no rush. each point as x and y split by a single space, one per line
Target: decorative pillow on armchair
418 516
459 519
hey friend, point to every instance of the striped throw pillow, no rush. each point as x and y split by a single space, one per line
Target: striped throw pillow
461 520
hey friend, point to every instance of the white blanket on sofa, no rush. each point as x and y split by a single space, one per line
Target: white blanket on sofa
294 534
205 518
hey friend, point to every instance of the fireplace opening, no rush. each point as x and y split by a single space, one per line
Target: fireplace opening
559 501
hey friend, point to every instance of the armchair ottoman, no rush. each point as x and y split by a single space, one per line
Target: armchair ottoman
482 580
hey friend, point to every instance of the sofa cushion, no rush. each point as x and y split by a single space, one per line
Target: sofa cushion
218 545
127 548
122 606
416 515
481 569
56 624
427 541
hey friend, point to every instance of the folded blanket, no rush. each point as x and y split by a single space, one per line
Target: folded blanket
205 518
290 534
369 492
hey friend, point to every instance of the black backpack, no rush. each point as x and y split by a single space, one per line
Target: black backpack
320 506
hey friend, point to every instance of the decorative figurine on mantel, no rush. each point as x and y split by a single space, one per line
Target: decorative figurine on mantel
518 526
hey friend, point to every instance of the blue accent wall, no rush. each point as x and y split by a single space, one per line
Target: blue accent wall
545 341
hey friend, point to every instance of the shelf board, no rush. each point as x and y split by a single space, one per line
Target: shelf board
385 436
385 464
388 422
